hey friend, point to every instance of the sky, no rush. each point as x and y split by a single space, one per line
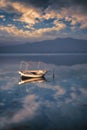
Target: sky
37 20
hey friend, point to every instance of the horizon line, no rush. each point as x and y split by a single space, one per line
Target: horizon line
43 54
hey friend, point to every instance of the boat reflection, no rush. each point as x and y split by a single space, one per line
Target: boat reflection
28 80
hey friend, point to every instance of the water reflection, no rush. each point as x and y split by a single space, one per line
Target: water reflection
57 104
28 80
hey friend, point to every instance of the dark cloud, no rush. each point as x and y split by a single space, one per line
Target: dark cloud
36 3
9 9
80 2
76 4
54 4
59 3
63 3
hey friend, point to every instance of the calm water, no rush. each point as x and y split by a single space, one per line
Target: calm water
57 103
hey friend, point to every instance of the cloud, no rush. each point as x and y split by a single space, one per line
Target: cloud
28 13
58 4
31 14
2 16
6 5
84 91
39 4
82 4
59 25
33 34
14 31
2 3
74 17
58 97
28 111
59 91
9 84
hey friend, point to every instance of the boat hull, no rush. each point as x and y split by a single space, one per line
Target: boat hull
32 74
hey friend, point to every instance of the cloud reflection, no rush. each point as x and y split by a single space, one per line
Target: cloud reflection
51 102
29 110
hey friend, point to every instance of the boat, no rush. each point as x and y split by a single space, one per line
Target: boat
33 73
28 80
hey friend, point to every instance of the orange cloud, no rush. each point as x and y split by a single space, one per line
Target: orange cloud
59 25
75 17
29 14
50 13
3 3
32 15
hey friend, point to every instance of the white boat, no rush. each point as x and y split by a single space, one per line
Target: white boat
32 73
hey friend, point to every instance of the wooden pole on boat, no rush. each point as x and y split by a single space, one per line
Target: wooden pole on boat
53 74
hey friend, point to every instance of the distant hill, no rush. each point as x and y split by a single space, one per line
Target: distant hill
66 45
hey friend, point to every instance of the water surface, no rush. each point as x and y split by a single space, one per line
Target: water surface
58 103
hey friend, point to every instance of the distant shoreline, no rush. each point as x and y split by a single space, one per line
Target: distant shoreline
39 54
